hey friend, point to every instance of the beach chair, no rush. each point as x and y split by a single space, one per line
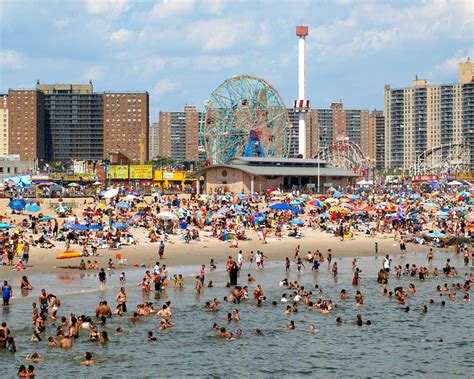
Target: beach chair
120 260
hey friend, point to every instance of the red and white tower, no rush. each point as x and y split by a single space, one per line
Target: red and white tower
301 105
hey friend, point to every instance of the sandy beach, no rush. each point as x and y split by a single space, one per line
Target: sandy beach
177 252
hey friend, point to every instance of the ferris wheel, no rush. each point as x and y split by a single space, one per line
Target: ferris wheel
245 116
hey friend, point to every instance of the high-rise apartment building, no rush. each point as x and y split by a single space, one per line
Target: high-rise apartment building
311 133
3 125
126 124
376 138
154 143
26 124
178 135
424 117
326 126
73 121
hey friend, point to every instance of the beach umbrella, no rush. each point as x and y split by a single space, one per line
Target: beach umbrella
69 254
276 193
166 216
33 208
337 194
324 215
111 193
295 202
335 208
120 225
97 183
454 183
96 227
78 227
436 234
130 197
73 185
7 226
61 209
317 203
123 204
47 218
281 207
332 200
296 221
17 204
344 211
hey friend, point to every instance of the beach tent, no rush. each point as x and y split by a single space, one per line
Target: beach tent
455 183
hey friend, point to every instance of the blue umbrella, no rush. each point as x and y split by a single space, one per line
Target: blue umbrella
95 227
17 204
436 234
6 226
337 194
46 218
33 208
296 221
123 204
281 207
324 215
120 225
78 227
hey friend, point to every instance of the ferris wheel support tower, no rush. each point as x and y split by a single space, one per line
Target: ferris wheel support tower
301 105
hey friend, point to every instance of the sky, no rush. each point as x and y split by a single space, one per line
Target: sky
181 50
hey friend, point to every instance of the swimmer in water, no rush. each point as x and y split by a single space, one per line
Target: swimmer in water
89 361
150 336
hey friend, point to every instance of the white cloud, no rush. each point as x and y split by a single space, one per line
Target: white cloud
167 8
11 60
121 36
164 87
107 8
61 22
223 33
93 73
450 65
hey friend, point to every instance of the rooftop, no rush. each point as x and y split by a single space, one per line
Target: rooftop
280 167
272 162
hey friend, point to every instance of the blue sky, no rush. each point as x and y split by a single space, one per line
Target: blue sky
179 51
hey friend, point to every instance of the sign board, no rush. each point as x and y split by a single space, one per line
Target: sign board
117 172
168 175
141 172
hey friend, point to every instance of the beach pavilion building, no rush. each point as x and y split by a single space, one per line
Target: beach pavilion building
252 174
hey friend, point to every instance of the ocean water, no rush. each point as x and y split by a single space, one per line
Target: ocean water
397 344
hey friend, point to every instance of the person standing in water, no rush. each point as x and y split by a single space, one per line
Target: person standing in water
102 278
121 299
7 292
161 249
233 274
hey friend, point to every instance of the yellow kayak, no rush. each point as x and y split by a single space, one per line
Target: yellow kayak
69 254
